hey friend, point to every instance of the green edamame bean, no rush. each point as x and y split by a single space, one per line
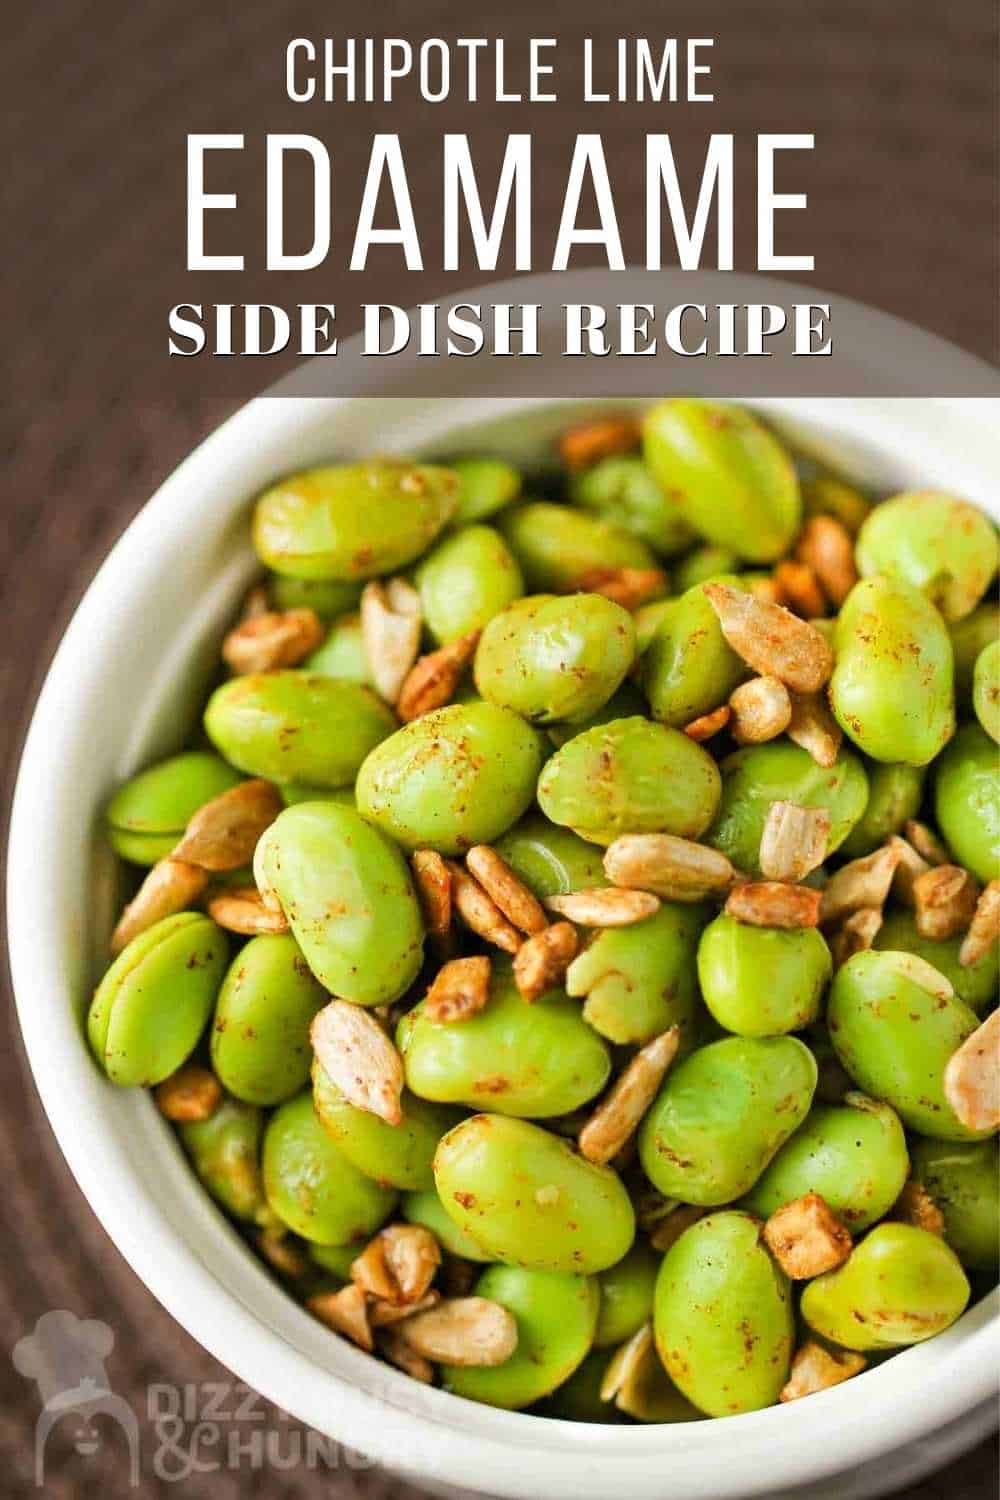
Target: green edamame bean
731 480
297 726
968 638
535 1061
703 564
975 985
723 1316
337 1259
470 576
342 654
892 689
722 1114
529 1199
552 659
154 1001
758 775
630 776
640 980
327 596
626 1296
623 491
459 776
555 1314
895 1037
967 801
625 702
398 1156
986 689
485 485
351 521
646 620
901 1285
225 1154
293 792
260 1035
551 861
853 1154
558 547
147 815
310 1184
578 1399
962 1178
426 1208
347 894
944 547
647 1393
827 495
688 667
762 981
894 794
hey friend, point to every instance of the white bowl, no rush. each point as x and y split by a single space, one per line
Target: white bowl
124 687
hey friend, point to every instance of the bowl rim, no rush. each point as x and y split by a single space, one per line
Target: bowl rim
431 1433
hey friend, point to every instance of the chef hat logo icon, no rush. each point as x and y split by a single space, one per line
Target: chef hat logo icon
65 1357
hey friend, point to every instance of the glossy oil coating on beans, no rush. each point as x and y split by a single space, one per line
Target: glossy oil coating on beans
550 658
759 775
731 480
688 667
986 689
942 546
146 816
900 1286
630 777
152 1004
892 689
722 1114
348 896
225 1153
963 1178
894 1036
853 1154
312 1186
353 520
531 1061
558 547
470 576
638 981
723 1316
297 726
759 981
567 1012
622 490
975 984
529 1199
260 1032
550 860
967 801
452 779
399 1156
894 796
556 1316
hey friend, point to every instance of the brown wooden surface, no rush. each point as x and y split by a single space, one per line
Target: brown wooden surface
902 183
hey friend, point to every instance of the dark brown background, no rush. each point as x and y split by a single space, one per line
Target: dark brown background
900 96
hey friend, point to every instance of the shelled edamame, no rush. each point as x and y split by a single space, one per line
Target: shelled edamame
568 949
